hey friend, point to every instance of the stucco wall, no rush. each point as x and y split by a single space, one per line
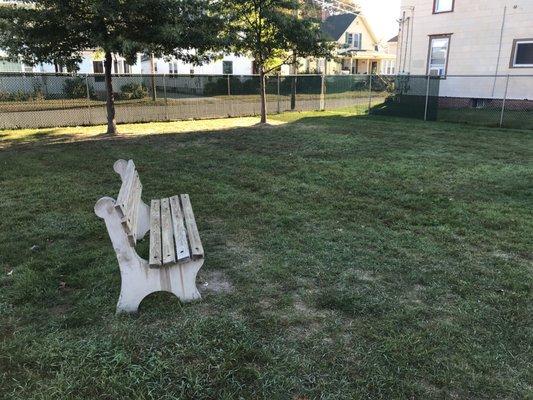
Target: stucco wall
475 28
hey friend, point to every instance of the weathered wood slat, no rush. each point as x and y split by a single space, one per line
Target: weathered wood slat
132 211
197 250
125 188
155 234
180 234
167 234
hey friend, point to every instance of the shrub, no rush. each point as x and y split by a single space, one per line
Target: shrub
238 86
132 91
76 88
20 95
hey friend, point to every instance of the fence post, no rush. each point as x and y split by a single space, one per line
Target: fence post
427 99
88 98
165 94
322 92
370 93
278 93
504 100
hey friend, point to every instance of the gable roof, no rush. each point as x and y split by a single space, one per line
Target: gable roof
335 25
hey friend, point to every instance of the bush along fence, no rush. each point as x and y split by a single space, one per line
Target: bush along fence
48 100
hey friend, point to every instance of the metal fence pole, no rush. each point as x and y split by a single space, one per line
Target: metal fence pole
279 99
427 99
165 94
370 93
322 92
88 98
503 101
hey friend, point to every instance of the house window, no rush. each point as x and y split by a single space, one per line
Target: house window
357 40
118 66
127 68
227 67
522 55
173 67
387 67
98 67
439 47
353 40
441 6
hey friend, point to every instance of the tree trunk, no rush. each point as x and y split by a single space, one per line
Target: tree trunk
263 95
293 81
110 98
154 88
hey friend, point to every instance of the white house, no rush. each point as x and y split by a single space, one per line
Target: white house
358 49
92 63
456 39
228 64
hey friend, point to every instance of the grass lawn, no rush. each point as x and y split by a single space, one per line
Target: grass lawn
488 117
347 257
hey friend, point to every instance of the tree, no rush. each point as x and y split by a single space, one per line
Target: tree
57 31
271 32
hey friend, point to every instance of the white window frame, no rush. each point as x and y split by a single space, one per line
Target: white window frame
359 40
436 7
515 53
173 67
442 71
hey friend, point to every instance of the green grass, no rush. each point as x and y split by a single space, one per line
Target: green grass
488 117
361 258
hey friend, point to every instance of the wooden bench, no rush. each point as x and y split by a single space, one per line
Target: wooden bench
176 252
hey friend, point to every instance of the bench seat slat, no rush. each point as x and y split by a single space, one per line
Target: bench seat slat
197 251
167 234
180 234
155 259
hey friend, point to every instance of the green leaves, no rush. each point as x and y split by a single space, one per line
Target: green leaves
272 29
58 31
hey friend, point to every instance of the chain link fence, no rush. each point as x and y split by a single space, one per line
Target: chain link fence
50 100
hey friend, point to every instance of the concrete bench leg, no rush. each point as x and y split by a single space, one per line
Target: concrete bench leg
138 279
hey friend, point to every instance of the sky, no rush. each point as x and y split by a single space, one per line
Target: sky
382 16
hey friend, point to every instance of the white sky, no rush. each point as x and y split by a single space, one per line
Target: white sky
382 16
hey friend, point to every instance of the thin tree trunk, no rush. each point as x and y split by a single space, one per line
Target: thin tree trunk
154 88
263 95
110 98
293 81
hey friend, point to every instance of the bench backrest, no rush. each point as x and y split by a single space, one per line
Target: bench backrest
128 201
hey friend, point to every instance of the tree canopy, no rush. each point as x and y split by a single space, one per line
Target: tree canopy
58 31
272 32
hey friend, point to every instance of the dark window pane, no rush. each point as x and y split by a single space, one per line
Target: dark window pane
98 67
524 54
227 67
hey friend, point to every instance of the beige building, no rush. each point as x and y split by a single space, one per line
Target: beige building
358 50
454 38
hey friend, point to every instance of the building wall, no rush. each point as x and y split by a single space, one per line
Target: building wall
475 28
358 26
241 66
86 65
